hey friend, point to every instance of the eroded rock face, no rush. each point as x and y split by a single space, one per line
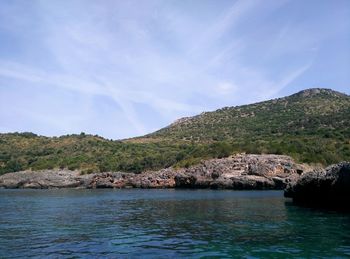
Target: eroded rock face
242 172
328 187
42 179
237 172
47 179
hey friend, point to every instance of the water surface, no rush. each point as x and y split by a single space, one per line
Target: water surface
166 223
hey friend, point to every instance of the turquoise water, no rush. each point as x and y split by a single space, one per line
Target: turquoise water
166 223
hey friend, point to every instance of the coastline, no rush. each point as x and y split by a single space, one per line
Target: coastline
240 172
311 187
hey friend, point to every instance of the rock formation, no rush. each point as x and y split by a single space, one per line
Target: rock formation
240 172
237 172
328 187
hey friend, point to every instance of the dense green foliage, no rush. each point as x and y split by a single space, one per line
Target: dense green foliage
312 126
19 151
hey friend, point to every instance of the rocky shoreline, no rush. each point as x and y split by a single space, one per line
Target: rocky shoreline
241 172
328 188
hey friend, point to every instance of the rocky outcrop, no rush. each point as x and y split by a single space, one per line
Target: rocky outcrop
236 172
48 179
42 179
240 172
328 187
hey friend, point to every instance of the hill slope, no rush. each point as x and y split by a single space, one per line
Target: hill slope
20 151
311 126
312 111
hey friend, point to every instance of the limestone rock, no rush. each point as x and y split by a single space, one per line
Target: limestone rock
240 172
328 187
41 179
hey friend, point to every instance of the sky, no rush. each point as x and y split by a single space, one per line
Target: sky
121 69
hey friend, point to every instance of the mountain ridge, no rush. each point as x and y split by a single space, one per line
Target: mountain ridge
243 112
309 92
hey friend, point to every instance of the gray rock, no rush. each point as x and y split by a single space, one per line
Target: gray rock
240 172
41 179
328 187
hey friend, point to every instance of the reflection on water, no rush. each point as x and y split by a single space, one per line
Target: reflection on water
173 223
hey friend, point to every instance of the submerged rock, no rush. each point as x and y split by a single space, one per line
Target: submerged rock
329 187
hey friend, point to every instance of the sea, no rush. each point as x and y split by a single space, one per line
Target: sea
169 223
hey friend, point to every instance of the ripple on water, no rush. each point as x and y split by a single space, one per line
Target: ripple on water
171 223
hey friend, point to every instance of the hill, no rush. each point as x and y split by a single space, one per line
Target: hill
312 126
312 111
20 151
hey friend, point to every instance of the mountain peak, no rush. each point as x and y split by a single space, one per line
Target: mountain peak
316 91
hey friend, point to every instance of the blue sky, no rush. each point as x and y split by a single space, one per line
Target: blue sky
125 68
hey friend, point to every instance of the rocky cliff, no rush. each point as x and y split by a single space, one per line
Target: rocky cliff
237 172
329 187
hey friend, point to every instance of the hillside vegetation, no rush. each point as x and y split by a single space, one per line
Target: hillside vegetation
312 126
91 154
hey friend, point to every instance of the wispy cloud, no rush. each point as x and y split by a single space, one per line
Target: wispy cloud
124 99
154 60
